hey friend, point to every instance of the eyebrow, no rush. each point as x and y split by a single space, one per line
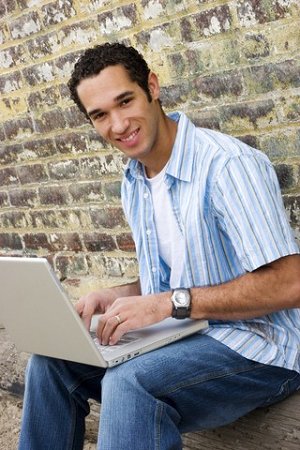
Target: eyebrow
117 99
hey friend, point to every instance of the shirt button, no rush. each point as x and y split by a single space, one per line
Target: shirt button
153 269
146 195
148 232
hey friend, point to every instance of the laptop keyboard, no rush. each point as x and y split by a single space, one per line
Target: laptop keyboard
126 339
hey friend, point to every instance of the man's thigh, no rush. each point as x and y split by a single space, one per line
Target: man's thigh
209 384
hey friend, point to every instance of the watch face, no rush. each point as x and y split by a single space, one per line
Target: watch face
182 297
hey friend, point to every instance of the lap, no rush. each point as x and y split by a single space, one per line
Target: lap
208 383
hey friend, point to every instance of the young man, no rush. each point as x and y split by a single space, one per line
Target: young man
207 218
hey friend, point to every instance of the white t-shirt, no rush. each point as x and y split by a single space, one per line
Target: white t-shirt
170 238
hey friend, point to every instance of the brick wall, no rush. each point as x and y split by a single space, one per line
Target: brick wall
231 65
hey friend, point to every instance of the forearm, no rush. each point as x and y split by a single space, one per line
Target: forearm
268 289
126 290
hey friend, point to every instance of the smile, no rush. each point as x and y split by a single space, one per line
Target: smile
130 137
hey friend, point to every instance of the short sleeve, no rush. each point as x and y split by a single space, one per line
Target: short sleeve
248 205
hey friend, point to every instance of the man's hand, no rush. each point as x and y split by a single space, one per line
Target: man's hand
94 303
129 313
100 301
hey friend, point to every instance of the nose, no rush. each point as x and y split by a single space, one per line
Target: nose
119 124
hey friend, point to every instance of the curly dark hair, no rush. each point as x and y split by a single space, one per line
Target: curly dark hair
95 59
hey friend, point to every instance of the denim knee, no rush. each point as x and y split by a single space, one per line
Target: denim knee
36 365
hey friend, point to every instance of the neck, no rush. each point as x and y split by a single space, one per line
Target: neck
167 135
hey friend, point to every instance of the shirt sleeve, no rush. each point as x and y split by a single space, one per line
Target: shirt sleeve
248 205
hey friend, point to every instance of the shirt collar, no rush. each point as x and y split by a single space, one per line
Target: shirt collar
180 164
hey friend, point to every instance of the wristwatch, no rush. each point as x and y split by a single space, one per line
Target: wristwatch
181 299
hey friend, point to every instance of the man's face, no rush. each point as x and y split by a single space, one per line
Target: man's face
121 112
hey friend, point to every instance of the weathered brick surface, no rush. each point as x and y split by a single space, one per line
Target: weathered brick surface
231 65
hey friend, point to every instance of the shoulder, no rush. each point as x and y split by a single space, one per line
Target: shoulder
228 146
222 151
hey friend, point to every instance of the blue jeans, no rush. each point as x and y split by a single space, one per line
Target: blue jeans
194 384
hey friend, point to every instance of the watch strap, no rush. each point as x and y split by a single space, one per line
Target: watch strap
180 312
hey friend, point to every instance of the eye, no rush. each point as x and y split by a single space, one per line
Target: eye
125 101
98 116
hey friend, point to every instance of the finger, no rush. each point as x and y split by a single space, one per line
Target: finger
107 327
117 334
86 317
86 313
79 305
86 307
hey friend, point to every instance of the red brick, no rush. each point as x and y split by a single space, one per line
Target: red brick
112 190
285 174
36 241
40 148
8 6
216 86
262 11
51 121
42 46
74 117
201 24
57 12
82 32
99 242
107 218
13 219
65 242
13 56
269 77
4 199
53 195
106 19
70 266
23 197
40 73
44 219
45 97
171 96
13 128
251 111
64 170
71 143
18 28
10 241
87 192
10 153
33 173
11 82
8 177
125 242
53 218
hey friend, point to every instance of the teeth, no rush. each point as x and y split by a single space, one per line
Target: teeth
131 136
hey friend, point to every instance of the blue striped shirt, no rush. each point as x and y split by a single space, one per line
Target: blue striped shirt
227 201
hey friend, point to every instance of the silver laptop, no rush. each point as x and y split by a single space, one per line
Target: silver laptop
41 319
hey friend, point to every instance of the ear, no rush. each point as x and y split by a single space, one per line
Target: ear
153 85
